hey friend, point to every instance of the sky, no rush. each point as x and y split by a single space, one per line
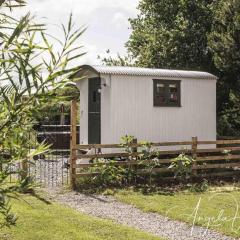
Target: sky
106 21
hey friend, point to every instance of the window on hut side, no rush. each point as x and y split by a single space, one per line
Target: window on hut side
166 93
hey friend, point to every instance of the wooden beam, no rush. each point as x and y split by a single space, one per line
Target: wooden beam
159 144
89 146
214 158
194 151
166 169
219 142
105 155
124 154
73 143
76 175
218 149
220 165
24 169
122 163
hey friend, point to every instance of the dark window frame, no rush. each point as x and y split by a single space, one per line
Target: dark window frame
166 83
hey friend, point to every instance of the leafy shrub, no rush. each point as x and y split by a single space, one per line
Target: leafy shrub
182 165
106 173
149 157
109 174
199 187
126 142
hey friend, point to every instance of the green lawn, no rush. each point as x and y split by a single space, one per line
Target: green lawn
217 208
38 221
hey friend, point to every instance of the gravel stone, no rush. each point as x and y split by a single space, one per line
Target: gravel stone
109 208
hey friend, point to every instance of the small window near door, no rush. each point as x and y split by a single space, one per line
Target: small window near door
166 93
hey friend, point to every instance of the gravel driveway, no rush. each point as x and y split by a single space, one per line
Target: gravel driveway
108 207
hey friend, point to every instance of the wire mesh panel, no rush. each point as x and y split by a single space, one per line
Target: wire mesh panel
51 169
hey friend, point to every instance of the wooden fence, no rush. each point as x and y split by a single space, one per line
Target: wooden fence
214 158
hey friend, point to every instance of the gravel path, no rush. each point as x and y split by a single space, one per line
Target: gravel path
108 207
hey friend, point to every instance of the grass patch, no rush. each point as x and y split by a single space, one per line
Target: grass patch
39 220
218 208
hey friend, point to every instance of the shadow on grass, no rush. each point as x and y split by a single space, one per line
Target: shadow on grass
41 198
163 188
111 190
38 195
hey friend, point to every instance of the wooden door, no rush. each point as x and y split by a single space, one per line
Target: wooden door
94 111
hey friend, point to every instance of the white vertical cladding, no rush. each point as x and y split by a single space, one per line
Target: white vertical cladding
105 108
132 111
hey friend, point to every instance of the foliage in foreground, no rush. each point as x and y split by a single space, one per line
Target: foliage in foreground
31 71
51 221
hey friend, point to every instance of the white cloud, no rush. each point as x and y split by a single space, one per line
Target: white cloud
107 21
81 8
120 20
91 54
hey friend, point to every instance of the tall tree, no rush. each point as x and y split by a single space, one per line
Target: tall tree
224 43
172 34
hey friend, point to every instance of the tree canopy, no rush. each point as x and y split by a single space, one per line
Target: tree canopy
224 43
171 34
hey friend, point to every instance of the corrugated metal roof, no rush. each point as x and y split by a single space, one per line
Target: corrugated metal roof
135 71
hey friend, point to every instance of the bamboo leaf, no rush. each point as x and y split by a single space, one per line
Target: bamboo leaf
75 37
70 23
19 29
76 56
49 48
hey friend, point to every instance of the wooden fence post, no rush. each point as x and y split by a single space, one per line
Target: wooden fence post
134 149
24 169
73 143
194 151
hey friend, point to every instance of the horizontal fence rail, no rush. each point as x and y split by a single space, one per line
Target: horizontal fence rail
160 144
221 155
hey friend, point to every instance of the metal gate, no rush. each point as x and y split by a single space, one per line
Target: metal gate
52 168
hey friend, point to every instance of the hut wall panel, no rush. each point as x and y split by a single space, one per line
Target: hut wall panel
129 110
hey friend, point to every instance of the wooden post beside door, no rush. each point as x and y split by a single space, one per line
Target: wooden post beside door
73 143
194 152
24 169
134 141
